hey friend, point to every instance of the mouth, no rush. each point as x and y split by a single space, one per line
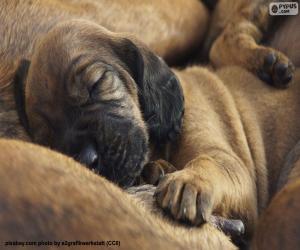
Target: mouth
122 170
123 181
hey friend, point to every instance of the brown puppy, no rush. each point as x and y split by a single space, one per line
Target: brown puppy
25 22
46 196
234 138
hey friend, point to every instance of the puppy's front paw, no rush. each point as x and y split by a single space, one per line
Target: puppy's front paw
154 170
186 196
275 69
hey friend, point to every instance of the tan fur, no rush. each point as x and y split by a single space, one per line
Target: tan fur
279 225
236 29
47 196
10 124
286 39
156 23
235 138
25 22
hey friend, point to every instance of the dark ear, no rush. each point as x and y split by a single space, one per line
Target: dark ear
160 93
19 91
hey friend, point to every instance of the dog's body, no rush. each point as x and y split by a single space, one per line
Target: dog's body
236 136
56 199
155 23
286 37
276 231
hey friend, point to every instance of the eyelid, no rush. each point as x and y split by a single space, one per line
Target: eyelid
94 72
95 83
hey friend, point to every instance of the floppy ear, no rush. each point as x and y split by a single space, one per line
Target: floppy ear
160 94
19 92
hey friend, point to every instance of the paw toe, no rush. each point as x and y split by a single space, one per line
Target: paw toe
269 60
283 74
276 70
188 211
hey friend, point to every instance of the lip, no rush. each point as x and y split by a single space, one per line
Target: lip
126 174
125 181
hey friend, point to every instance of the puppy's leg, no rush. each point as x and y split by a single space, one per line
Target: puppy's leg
156 170
145 193
240 32
238 45
214 183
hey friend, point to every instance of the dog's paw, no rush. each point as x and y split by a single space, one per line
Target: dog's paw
276 69
153 171
186 196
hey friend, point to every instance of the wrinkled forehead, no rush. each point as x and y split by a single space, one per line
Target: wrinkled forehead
64 49
69 48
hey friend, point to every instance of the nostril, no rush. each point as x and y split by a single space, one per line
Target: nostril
88 156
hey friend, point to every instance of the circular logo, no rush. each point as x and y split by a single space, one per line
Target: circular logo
274 9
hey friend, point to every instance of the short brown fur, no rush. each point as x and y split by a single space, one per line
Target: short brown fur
46 196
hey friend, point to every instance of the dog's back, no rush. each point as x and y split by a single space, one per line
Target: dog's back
156 23
46 196
270 118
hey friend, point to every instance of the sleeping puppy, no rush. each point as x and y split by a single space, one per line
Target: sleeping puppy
102 97
24 23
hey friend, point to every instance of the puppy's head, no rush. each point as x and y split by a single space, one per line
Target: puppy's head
99 97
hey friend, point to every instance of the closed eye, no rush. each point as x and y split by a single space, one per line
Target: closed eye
95 87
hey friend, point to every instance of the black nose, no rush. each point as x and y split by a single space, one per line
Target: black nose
88 156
